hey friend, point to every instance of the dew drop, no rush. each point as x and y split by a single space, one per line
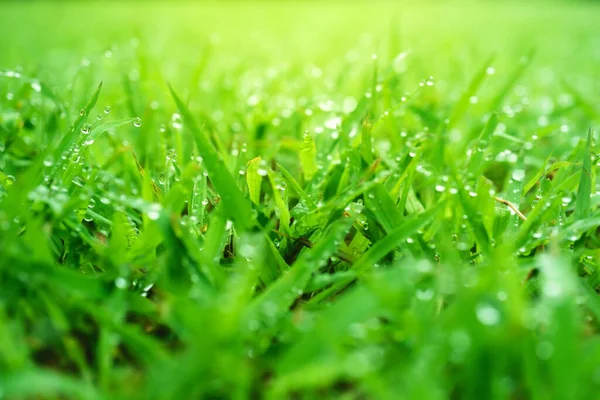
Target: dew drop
487 314
35 85
518 175
121 283
176 121
154 211
85 129
425 295
48 161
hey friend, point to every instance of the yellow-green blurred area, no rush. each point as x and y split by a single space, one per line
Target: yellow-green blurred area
445 39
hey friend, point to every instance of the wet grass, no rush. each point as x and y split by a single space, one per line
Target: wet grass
299 201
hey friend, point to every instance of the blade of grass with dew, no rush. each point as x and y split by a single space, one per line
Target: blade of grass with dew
69 139
393 240
254 179
308 154
282 207
280 295
476 162
237 207
582 205
297 188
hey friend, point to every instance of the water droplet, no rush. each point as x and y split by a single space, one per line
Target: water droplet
462 246
92 203
48 161
137 122
539 194
573 236
85 129
566 201
176 121
425 295
121 283
107 110
333 123
154 211
349 105
171 155
35 85
487 314
518 175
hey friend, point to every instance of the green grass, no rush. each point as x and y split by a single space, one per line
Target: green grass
299 200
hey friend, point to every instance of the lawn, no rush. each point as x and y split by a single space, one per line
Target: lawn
299 199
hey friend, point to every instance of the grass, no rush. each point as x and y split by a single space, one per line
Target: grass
299 200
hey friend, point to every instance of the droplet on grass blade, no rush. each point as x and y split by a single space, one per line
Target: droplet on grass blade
35 85
487 314
518 175
425 295
154 211
176 121
121 283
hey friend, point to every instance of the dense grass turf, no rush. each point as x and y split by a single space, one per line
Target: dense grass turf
371 200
